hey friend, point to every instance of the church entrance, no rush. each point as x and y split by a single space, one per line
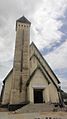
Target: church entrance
38 96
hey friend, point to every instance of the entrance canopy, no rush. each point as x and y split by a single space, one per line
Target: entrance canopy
38 86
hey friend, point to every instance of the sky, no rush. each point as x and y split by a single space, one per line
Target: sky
48 31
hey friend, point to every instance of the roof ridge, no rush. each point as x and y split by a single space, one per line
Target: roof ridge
45 61
23 19
7 75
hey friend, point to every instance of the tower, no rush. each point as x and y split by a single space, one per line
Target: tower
21 62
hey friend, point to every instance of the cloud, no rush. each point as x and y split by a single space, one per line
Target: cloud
64 84
43 15
10 11
58 58
46 18
0 87
46 24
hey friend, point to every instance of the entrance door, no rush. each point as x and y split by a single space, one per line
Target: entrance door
38 96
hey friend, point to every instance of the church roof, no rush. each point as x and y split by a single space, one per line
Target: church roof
7 76
45 62
46 71
30 78
23 20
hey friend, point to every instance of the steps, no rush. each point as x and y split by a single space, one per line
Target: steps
31 108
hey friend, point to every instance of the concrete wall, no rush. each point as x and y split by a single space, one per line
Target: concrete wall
33 64
21 63
38 82
51 93
7 90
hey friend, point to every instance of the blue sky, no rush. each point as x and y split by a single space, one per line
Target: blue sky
48 32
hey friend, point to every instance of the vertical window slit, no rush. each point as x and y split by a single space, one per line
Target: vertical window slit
22 50
20 83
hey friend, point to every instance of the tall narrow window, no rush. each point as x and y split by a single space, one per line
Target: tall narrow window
22 51
20 84
21 60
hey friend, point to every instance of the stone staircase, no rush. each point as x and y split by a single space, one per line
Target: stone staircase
31 108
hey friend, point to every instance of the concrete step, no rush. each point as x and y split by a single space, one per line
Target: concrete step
44 107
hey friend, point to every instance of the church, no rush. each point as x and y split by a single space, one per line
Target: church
31 80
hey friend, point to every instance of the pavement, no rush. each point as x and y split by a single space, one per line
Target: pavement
34 111
44 115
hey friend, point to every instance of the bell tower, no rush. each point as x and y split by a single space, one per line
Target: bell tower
21 61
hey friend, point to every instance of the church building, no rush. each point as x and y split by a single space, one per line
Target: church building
31 79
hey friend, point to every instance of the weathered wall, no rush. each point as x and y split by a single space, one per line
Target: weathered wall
7 90
54 98
39 82
21 63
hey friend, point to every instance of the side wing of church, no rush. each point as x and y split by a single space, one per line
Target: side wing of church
31 80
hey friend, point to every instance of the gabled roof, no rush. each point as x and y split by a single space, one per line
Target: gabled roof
45 71
30 78
7 76
23 20
45 61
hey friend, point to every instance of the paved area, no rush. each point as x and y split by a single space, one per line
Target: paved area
33 111
44 115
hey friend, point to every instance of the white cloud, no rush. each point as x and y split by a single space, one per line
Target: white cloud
0 87
43 15
58 58
46 24
64 84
